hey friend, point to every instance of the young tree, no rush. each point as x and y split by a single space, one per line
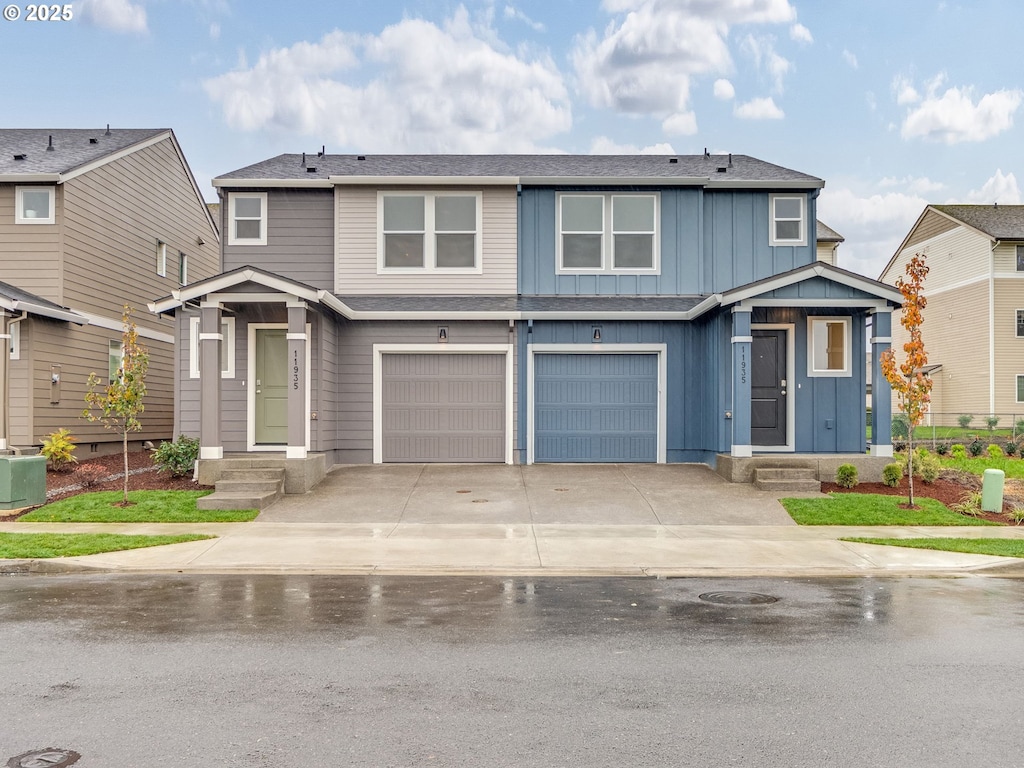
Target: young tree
912 386
118 404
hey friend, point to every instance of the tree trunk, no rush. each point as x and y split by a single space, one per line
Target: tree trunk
125 444
910 464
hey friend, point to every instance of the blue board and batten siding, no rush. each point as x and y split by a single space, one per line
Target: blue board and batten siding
711 241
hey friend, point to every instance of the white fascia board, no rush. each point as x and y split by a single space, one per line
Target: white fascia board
421 181
714 183
101 161
217 284
614 181
708 304
58 314
273 183
17 178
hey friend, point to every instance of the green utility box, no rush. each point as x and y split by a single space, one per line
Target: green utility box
22 481
992 490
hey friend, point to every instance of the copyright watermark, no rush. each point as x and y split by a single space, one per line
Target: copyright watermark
55 12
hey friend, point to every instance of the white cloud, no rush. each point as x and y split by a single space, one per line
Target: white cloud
116 15
955 117
874 226
800 33
680 124
724 90
759 109
644 60
602 145
515 14
998 189
905 91
762 51
919 186
850 58
414 87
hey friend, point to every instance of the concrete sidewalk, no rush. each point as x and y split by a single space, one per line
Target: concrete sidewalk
625 519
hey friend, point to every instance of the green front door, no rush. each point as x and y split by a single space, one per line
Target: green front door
271 417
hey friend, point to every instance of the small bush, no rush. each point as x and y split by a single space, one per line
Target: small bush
59 450
846 476
899 446
995 452
964 420
1011 448
991 422
900 426
969 505
892 474
1017 515
89 475
1020 425
942 448
927 466
957 451
976 447
178 457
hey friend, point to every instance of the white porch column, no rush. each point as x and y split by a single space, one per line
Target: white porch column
881 391
298 409
210 340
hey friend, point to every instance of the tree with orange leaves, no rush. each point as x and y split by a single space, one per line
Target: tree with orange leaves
912 386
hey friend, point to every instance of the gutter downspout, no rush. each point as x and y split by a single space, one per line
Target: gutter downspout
992 329
5 378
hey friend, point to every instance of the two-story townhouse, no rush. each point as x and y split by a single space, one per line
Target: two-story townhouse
523 309
973 325
91 220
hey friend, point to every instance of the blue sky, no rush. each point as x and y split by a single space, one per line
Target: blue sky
895 104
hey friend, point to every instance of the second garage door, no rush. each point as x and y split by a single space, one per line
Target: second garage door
440 408
596 407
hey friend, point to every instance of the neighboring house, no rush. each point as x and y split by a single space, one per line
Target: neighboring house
974 321
524 309
828 244
91 220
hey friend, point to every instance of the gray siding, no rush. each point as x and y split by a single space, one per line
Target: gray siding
300 237
30 255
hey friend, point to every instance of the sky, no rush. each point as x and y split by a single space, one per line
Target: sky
895 104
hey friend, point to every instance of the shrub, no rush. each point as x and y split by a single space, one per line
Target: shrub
846 476
970 504
927 466
964 420
957 451
89 475
899 446
900 426
178 457
942 448
1020 425
976 447
1011 448
892 474
59 450
991 422
1017 515
995 452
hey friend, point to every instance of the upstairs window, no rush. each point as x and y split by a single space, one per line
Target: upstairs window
829 346
607 233
1020 323
1020 258
183 268
788 219
115 354
429 232
161 258
34 205
247 218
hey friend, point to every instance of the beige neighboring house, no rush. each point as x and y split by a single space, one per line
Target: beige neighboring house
974 323
828 244
91 220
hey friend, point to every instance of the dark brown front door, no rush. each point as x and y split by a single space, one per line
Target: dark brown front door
768 388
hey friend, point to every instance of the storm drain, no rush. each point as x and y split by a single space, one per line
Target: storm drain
738 598
50 757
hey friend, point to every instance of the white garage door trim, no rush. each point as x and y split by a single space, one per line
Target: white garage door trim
597 349
379 350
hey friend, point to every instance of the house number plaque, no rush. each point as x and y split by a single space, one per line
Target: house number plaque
295 369
743 365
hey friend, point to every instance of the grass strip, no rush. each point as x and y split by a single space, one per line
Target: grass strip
149 507
1011 466
45 545
873 509
998 547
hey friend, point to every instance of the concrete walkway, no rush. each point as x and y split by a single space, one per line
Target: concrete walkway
634 520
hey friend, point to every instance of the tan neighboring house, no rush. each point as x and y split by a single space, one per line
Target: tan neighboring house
91 220
974 323
828 244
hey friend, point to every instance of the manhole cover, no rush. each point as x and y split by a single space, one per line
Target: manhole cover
738 598
51 757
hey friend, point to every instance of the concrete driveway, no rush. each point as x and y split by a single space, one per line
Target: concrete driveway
538 494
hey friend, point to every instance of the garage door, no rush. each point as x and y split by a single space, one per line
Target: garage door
600 408
438 408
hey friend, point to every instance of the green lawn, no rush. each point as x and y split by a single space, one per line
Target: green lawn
150 507
1000 547
1012 466
872 509
45 545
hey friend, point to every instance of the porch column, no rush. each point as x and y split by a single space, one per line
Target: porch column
741 343
210 339
881 392
297 407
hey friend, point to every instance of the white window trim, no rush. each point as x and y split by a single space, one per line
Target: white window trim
608 236
1015 325
227 328
262 239
120 348
1017 383
182 268
846 370
772 219
429 235
250 418
161 258
19 205
14 343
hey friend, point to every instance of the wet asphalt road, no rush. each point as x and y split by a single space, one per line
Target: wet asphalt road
343 671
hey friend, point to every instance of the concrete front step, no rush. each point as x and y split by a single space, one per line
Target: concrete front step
245 489
226 500
786 479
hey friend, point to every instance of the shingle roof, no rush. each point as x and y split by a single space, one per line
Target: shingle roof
739 168
828 235
1003 222
72 147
